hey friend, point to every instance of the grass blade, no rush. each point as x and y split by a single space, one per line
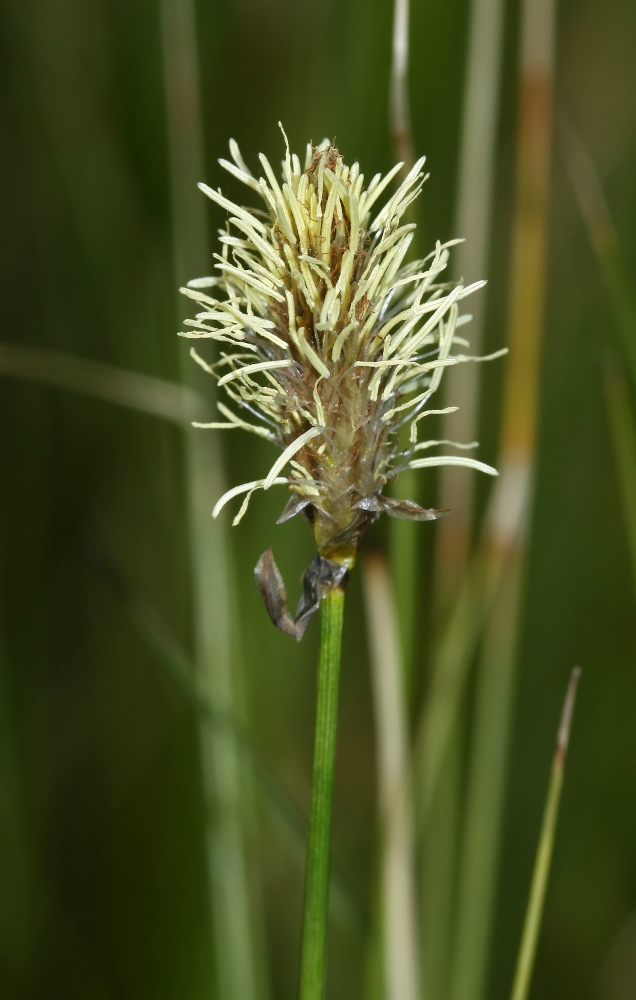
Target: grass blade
239 952
450 664
534 913
507 523
438 868
399 96
482 818
470 262
399 918
404 535
156 396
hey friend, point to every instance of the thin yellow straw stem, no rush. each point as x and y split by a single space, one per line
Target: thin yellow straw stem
501 555
534 913
399 912
438 869
525 319
393 642
400 114
451 660
508 517
156 396
484 802
404 534
470 263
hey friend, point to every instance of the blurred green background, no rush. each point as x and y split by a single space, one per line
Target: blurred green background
104 888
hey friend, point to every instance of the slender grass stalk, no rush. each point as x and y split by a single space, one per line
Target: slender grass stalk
452 656
438 865
398 869
482 818
400 114
438 768
456 489
316 906
438 763
156 396
471 262
623 431
236 964
404 552
403 535
399 919
508 516
534 912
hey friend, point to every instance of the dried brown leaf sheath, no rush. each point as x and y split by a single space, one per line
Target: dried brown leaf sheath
319 578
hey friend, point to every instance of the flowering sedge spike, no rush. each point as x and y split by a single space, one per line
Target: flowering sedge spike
329 344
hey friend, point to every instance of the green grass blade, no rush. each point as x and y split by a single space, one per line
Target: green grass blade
438 868
450 665
435 747
507 526
404 536
487 770
398 871
155 396
470 262
238 940
400 114
534 913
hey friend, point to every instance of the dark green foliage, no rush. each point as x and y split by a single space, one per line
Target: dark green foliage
102 833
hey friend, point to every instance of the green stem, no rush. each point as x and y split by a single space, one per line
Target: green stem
312 963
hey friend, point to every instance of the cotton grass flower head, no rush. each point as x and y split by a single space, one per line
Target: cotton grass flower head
329 344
